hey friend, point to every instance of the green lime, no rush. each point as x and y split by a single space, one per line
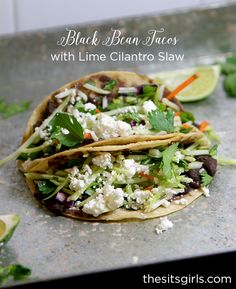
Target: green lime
199 89
8 224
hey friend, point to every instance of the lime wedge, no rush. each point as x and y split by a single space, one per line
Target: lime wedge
199 89
8 223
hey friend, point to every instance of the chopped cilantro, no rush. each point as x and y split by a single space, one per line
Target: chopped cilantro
230 84
229 66
161 106
80 106
229 69
110 85
167 157
160 120
149 91
63 121
16 271
206 179
25 156
45 187
213 150
8 110
129 116
186 116
113 105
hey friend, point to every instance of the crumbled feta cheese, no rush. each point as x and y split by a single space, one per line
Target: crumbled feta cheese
206 192
43 134
164 225
65 131
135 260
107 127
103 160
133 167
137 199
108 199
96 206
86 120
80 180
181 201
77 184
149 106
89 106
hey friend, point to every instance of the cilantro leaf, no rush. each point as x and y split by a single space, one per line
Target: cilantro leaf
228 68
74 131
16 271
110 85
9 110
129 116
161 121
186 116
230 84
80 106
45 187
148 91
206 179
213 150
167 157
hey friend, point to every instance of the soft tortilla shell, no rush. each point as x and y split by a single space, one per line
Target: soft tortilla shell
128 78
128 215
43 165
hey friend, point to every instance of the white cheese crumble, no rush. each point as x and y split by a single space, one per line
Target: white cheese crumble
133 167
181 201
137 199
107 127
135 260
65 131
43 134
89 106
108 199
79 180
149 106
164 225
103 160
206 192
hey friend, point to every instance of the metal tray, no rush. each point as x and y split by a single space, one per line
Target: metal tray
56 246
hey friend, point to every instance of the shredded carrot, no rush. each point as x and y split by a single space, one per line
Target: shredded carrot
87 135
185 125
98 110
203 125
142 174
182 86
177 113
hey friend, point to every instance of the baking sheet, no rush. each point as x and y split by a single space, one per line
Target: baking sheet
56 246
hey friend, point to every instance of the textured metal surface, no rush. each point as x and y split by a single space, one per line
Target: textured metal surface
55 246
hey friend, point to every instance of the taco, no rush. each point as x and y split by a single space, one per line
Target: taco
104 108
136 181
